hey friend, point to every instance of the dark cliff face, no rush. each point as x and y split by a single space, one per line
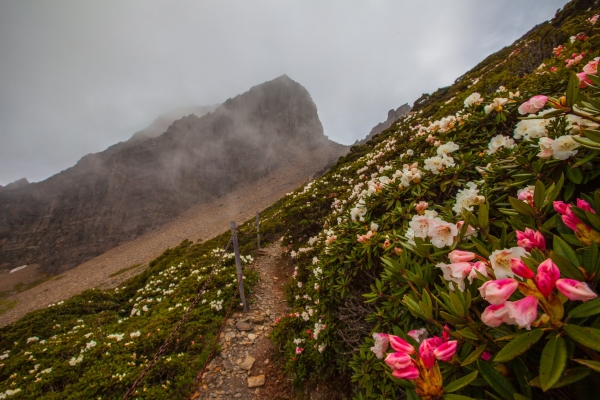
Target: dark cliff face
117 195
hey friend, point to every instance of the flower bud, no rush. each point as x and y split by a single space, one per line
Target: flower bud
399 344
519 268
445 351
498 291
460 256
547 275
575 290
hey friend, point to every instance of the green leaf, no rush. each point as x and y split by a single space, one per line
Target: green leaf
563 249
467 333
552 362
483 215
451 318
518 345
594 365
499 383
539 195
593 154
521 397
592 134
460 383
566 268
456 397
572 90
523 376
586 309
521 207
570 376
574 175
585 142
474 356
584 335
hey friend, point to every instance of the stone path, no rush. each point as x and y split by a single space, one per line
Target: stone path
243 367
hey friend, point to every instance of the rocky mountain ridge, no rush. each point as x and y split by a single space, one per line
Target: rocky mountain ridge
130 189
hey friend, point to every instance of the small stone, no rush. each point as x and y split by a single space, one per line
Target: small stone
248 363
244 326
252 336
237 395
266 361
255 381
238 361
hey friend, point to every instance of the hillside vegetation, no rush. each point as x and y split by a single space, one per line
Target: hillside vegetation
453 256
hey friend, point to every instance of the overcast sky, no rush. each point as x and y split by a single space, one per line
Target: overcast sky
78 76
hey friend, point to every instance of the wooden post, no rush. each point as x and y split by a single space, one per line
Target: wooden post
257 231
238 264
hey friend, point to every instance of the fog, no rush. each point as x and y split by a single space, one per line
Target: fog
79 76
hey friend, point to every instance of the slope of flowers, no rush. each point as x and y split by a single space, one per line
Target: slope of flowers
96 344
457 256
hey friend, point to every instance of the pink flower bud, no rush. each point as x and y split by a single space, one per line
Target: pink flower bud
584 81
531 239
486 355
398 360
519 268
523 312
445 333
399 344
445 351
575 290
547 275
421 207
495 315
560 207
584 205
571 220
426 351
410 373
460 256
498 291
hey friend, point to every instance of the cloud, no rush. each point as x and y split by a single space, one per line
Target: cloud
76 77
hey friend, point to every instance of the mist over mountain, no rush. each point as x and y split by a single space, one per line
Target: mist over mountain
135 186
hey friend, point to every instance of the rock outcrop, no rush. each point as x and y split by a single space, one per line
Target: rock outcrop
132 188
393 115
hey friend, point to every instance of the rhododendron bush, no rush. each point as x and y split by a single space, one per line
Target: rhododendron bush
459 256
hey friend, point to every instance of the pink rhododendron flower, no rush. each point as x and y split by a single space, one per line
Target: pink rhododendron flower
498 291
519 268
523 312
382 341
461 256
546 277
591 68
584 81
495 315
426 350
418 334
533 105
299 350
399 344
530 239
445 351
575 290
486 355
421 207
479 267
470 229
526 194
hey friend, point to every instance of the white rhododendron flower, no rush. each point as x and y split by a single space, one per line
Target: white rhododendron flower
74 361
500 260
419 226
442 233
564 147
500 142
474 98
530 129
466 198
495 105
447 148
545 147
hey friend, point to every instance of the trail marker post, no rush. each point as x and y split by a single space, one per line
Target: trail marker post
238 265
257 231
